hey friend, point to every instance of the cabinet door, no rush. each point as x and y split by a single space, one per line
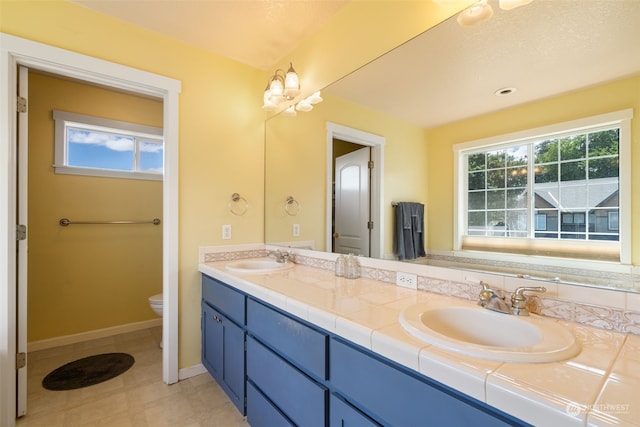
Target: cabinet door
223 354
344 415
393 397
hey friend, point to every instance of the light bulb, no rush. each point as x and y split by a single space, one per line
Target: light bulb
268 104
275 87
304 106
315 98
475 14
291 83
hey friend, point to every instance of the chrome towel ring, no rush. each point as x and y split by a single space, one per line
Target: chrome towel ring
238 205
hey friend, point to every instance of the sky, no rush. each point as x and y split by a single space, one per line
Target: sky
104 150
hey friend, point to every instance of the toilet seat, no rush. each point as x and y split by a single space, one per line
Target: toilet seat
155 299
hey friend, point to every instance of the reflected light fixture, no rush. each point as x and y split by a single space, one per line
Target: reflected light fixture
475 14
482 11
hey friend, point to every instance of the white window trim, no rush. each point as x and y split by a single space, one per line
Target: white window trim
63 119
621 118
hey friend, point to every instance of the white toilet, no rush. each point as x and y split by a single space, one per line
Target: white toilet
155 302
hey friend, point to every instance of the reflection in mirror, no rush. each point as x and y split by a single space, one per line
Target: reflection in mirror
562 60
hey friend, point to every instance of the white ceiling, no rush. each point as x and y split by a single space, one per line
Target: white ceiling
255 32
447 74
542 49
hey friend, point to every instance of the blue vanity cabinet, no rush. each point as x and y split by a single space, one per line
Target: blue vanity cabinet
286 366
223 339
394 397
344 415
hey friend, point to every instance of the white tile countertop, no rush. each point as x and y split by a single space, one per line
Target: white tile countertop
598 387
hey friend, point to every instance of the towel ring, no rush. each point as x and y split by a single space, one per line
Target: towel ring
238 205
291 206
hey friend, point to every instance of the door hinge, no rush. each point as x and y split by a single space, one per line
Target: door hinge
370 225
370 164
22 104
21 232
21 360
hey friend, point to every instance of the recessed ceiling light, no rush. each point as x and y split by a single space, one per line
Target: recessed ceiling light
505 91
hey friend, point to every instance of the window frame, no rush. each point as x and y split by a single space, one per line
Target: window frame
64 119
482 246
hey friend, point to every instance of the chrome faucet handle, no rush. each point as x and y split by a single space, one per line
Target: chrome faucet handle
519 299
487 293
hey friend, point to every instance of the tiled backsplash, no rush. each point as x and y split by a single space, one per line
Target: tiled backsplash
615 311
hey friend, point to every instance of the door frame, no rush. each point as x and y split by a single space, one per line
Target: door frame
377 143
16 51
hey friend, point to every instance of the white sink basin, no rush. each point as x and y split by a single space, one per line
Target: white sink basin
475 331
258 266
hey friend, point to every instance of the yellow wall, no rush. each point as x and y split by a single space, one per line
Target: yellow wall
600 99
296 166
221 130
83 278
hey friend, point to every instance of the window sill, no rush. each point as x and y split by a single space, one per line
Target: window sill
105 173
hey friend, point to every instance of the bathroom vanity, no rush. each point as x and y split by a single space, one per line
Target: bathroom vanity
303 347
299 374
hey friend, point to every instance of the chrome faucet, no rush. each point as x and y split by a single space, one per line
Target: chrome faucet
519 299
494 300
280 256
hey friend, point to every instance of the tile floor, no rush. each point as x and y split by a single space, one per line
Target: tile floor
136 398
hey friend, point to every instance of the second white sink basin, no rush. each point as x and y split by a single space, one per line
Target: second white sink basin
474 331
258 266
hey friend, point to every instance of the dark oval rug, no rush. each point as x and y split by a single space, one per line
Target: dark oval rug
88 371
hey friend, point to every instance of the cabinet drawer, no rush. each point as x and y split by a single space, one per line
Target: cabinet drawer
300 398
261 412
299 343
229 301
394 397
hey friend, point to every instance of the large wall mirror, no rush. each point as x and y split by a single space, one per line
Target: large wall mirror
559 61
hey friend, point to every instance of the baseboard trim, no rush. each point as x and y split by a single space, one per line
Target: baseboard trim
191 371
91 335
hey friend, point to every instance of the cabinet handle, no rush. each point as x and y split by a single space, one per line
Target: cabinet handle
217 319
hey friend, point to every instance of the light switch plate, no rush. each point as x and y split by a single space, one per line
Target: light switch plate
226 232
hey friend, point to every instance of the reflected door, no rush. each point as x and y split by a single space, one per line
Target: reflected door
352 203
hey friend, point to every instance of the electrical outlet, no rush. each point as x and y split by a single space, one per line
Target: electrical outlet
296 230
407 280
226 232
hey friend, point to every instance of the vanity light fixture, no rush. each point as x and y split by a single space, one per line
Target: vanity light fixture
482 11
280 88
283 87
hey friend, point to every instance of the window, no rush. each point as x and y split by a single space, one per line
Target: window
556 191
86 145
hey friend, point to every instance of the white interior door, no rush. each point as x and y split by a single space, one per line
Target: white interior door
21 321
352 203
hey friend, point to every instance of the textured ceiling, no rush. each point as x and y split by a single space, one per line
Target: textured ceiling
255 32
542 49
